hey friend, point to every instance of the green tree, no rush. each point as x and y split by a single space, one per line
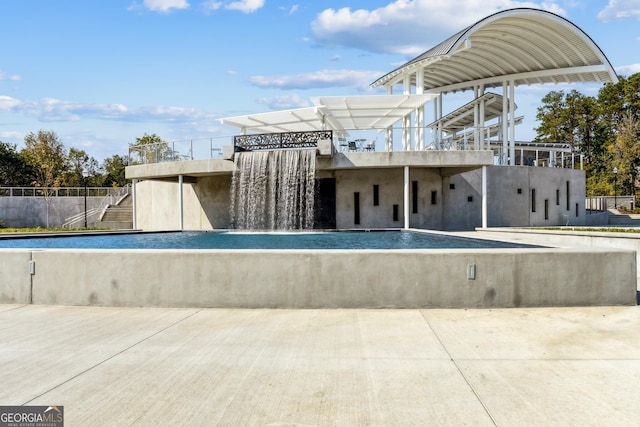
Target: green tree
150 149
80 162
114 168
48 157
626 151
14 169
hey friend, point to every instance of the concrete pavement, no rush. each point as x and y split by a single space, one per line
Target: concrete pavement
234 367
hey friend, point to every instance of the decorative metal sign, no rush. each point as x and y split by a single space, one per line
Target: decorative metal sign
275 141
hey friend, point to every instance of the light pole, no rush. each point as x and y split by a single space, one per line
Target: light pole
85 175
615 187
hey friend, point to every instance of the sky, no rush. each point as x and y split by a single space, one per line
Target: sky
102 73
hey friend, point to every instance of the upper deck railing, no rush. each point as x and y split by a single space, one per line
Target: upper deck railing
359 140
282 140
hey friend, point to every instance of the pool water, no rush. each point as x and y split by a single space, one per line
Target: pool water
236 240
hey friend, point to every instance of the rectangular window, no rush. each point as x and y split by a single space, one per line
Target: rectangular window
557 197
434 197
376 195
568 197
533 200
546 208
395 212
469 198
577 211
414 197
452 186
356 208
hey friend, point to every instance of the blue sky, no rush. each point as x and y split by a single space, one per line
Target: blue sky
101 73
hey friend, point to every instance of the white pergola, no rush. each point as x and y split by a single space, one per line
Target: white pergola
338 113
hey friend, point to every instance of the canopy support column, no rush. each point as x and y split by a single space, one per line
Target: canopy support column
406 120
181 201
505 123
406 197
512 123
419 114
389 134
484 197
134 202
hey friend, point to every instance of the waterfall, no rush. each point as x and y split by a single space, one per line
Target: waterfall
273 190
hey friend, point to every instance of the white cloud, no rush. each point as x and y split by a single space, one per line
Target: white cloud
285 102
55 110
317 79
620 10
628 70
211 5
165 5
407 27
7 103
4 76
245 6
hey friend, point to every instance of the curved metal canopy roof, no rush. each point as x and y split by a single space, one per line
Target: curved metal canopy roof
526 46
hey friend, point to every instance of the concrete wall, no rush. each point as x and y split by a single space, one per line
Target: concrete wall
458 199
324 278
26 212
510 195
561 238
206 204
15 279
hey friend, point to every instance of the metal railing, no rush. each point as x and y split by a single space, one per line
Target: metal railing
175 151
56 192
113 198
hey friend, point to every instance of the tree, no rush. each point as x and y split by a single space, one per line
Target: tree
14 169
114 168
150 149
48 158
626 150
79 162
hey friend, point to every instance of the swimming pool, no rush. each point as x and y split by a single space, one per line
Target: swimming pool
236 240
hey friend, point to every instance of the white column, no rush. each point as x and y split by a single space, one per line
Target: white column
512 123
476 120
419 134
440 132
481 122
389 135
406 197
134 202
419 131
406 120
522 157
505 123
181 201
484 197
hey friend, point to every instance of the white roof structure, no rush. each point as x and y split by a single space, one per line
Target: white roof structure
526 46
340 113
509 48
463 117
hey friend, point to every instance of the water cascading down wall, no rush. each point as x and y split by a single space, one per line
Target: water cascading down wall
273 190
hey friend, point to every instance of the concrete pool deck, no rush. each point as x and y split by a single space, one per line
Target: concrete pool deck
235 367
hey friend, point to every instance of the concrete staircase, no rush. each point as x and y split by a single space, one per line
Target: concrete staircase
119 215
617 219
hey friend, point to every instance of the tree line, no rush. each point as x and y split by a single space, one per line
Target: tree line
45 162
605 129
